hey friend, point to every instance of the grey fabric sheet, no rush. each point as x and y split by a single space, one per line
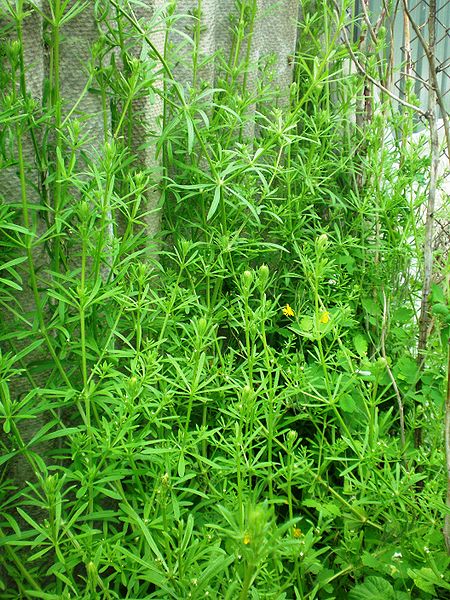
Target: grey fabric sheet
275 31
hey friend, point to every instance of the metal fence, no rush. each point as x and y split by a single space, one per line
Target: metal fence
399 38
420 66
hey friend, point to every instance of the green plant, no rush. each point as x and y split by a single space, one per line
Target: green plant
217 410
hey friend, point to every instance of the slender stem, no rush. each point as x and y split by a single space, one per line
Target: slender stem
170 307
249 570
391 375
447 451
249 44
193 390
19 564
29 252
428 255
204 426
238 39
196 47
84 374
248 344
271 392
56 102
31 125
82 293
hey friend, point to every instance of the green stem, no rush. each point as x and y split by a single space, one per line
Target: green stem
170 307
204 425
248 344
19 564
249 44
239 38
289 486
195 50
246 583
270 415
30 119
30 261
84 371
56 105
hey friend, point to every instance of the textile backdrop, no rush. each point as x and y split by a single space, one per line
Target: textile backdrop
275 31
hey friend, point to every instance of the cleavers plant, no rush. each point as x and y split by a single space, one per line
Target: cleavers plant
212 411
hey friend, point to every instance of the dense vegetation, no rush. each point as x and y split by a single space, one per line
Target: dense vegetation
232 408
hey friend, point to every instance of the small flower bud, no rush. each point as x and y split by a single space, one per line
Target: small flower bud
51 483
84 211
92 573
263 275
247 278
8 101
291 436
246 394
142 272
202 326
13 51
75 129
322 242
139 178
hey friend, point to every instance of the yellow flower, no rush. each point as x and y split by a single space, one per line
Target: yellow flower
247 539
324 317
287 311
297 533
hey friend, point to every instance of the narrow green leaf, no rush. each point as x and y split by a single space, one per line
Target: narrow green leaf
215 203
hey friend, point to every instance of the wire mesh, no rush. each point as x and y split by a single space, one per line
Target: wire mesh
406 43
420 67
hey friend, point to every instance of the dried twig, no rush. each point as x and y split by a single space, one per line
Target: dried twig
424 317
371 29
447 452
428 48
407 43
408 74
376 83
434 99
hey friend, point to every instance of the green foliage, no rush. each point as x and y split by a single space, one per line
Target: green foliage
212 413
